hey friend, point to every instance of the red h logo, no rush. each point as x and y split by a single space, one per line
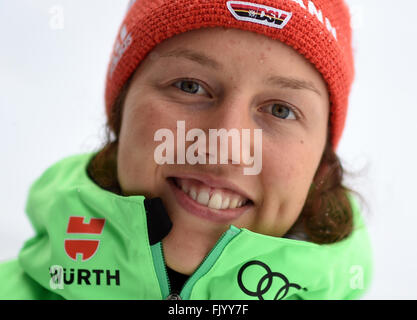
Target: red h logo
87 248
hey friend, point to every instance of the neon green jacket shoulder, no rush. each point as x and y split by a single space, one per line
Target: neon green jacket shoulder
93 244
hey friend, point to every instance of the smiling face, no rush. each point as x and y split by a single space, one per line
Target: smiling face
232 79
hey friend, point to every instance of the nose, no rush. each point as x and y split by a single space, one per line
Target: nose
232 120
233 113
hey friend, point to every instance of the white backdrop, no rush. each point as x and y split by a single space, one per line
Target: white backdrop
53 60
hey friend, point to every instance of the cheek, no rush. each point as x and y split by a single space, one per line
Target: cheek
279 167
289 170
137 169
136 137
286 178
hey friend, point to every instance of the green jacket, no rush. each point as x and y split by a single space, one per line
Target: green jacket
93 244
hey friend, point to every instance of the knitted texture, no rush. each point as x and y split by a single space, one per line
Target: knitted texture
319 30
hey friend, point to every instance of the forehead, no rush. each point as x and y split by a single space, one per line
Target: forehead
235 51
225 42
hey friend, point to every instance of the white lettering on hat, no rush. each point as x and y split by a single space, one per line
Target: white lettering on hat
123 41
312 9
301 3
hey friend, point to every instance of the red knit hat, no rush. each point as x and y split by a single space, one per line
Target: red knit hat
318 29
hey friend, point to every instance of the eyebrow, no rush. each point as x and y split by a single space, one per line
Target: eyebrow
198 57
292 83
202 59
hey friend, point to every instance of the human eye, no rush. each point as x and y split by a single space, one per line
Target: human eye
281 110
190 86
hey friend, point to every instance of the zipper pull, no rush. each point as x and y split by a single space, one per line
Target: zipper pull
174 296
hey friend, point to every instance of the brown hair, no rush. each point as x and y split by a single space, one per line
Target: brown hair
326 217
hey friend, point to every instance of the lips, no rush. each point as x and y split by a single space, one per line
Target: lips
208 198
214 198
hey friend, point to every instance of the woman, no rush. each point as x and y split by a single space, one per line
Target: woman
141 219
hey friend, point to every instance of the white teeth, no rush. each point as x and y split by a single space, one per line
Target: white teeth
185 188
225 203
233 203
203 197
193 193
215 201
218 200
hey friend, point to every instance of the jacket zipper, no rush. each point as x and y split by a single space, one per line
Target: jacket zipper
160 268
202 269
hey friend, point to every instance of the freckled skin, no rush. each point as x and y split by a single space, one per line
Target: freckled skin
291 149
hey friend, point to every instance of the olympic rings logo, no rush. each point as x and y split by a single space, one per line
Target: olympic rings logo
262 288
